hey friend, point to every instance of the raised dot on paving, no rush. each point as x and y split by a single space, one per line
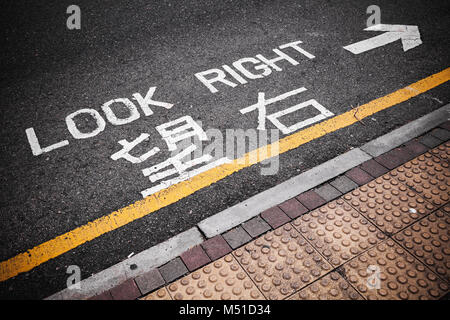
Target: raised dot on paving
428 240
223 279
281 262
442 151
330 287
389 272
338 231
160 294
389 204
427 175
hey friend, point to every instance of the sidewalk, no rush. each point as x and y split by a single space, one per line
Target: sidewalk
379 231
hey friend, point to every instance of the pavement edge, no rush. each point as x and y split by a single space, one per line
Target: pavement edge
160 264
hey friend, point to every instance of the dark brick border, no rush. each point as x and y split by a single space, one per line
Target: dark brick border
218 246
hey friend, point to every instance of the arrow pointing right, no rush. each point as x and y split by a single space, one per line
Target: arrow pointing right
409 35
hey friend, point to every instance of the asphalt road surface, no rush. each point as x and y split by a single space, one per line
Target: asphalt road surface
48 72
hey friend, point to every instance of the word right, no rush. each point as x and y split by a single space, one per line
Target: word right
249 68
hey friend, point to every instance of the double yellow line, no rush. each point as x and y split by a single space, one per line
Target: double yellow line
32 258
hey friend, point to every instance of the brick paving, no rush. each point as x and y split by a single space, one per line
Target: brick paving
359 176
126 291
149 281
195 258
344 184
379 231
328 192
293 208
216 247
275 217
311 199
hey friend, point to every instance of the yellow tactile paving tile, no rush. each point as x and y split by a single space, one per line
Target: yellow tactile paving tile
281 262
338 231
428 240
428 175
223 279
442 151
160 294
389 204
330 287
295 261
401 276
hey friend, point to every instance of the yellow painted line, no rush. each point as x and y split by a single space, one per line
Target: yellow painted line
32 258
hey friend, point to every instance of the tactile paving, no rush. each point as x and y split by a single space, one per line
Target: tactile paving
389 204
446 208
223 279
330 287
338 231
428 240
442 151
427 175
160 294
401 276
281 262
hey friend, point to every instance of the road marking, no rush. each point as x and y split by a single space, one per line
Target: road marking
274 117
259 63
34 257
409 35
100 123
36 147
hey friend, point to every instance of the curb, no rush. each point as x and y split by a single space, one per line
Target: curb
169 260
119 273
239 213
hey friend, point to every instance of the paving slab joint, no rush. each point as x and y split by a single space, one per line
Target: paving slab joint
256 225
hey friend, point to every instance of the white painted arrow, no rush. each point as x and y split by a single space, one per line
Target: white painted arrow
409 35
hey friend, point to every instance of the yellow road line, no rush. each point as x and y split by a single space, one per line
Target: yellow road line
32 258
